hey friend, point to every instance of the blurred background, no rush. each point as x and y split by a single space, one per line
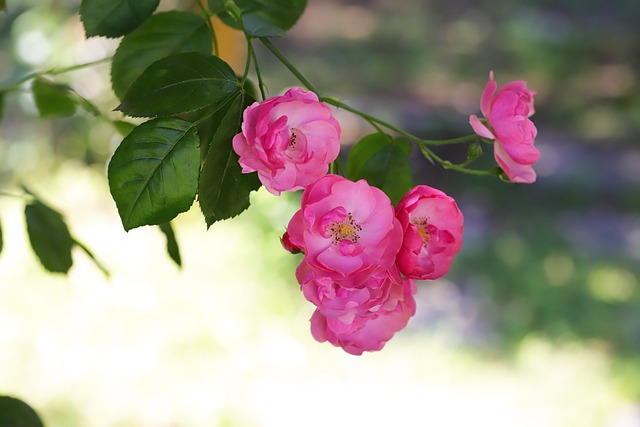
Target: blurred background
537 324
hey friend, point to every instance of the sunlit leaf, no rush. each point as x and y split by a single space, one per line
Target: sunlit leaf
255 26
162 35
49 236
172 244
179 84
16 413
383 162
224 190
53 99
114 18
153 175
281 13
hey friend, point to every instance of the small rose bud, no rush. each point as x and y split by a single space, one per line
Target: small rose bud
474 151
286 243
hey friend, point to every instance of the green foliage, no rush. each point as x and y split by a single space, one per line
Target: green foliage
114 18
255 26
179 84
281 13
3 5
16 413
384 162
172 244
49 236
224 190
153 175
53 99
162 35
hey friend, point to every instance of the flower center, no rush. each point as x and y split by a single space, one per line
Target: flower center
347 229
292 141
422 226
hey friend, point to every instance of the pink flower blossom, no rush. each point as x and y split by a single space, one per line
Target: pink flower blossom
361 318
507 113
433 226
289 140
347 229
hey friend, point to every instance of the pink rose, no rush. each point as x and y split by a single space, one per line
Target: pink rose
363 318
433 226
508 113
289 140
346 229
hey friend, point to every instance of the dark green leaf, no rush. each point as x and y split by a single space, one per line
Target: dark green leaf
281 13
1 240
3 5
53 99
172 245
49 237
255 26
153 175
383 162
162 35
114 18
224 190
179 84
208 121
16 413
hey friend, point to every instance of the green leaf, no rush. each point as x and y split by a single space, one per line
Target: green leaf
255 26
281 13
3 5
383 162
172 245
224 190
114 18
16 413
49 236
162 35
179 84
153 175
207 122
53 99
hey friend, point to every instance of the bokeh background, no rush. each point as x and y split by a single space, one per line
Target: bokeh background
537 324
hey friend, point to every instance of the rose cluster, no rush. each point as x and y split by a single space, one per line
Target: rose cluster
361 254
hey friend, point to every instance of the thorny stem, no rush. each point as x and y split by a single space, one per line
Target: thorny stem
261 84
207 16
288 64
374 121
